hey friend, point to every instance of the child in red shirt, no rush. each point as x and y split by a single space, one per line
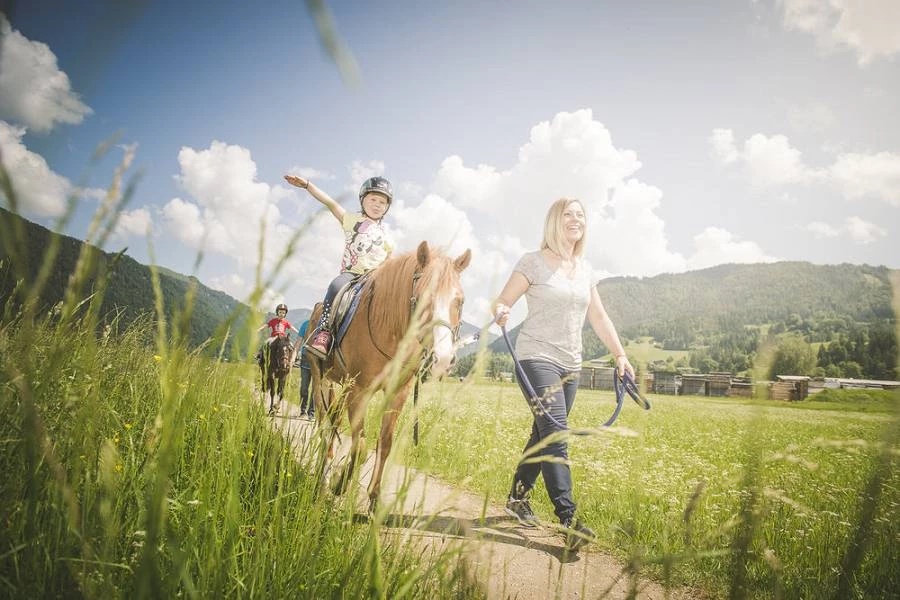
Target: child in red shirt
278 327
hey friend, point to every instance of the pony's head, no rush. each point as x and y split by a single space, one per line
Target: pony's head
440 285
280 357
426 285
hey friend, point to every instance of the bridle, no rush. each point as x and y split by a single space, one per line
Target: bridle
413 303
427 357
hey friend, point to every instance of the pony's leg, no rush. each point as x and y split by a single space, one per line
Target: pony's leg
385 442
270 383
326 428
281 381
356 411
262 382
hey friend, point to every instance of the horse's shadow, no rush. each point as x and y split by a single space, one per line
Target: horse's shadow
497 529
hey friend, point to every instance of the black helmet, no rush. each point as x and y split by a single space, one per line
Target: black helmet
377 184
281 306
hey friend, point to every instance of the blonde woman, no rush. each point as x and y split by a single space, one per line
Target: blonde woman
560 290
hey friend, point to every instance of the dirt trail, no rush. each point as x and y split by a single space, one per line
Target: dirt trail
508 560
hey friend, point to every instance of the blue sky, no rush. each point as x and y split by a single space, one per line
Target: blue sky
740 131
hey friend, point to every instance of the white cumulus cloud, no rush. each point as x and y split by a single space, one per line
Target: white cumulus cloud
38 189
767 160
871 28
33 90
856 229
715 246
571 155
225 210
875 175
311 173
137 222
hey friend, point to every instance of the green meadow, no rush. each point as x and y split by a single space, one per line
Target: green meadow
135 468
737 498
138 472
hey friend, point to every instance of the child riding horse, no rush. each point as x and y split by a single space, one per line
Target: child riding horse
410 306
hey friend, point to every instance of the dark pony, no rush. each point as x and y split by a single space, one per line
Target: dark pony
410 307
276 366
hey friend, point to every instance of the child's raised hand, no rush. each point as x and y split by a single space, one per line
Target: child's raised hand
297 181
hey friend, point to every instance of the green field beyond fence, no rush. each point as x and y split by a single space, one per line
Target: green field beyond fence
732 497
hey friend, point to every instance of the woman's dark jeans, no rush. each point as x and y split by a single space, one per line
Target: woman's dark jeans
556 389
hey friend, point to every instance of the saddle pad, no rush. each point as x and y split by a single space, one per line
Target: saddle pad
347 317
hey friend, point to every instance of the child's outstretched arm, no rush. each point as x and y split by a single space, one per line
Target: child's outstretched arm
336 209
263 326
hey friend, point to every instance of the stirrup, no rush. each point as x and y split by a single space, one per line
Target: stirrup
319 352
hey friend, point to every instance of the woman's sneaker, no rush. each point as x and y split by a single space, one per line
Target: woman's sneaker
577 534
521 510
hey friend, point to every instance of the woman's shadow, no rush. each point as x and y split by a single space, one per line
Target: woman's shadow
497 529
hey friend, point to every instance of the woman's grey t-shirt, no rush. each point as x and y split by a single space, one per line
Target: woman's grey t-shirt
557 307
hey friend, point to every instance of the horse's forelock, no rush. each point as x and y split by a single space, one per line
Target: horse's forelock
393 279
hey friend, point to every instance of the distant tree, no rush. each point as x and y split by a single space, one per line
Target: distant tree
793 356
832 371
851 369
498 364
463 365
707 365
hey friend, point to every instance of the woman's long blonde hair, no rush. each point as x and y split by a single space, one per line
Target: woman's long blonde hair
554 235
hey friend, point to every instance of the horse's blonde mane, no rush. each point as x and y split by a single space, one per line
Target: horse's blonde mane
392 282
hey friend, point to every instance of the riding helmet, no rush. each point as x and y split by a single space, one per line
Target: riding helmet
281 306
379 185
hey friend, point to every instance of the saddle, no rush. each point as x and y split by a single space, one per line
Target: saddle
343 309
345 304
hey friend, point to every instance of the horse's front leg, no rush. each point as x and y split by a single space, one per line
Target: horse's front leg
270 383
281 381
385 442
356 411
326 427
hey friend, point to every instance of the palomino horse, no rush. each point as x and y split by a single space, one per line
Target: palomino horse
275 367
417 293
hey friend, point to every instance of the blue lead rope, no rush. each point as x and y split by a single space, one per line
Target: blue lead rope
622 384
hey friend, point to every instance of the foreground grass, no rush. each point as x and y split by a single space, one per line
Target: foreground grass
132 472
739 498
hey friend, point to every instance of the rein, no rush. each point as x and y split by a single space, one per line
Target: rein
423 361
621 383
413 300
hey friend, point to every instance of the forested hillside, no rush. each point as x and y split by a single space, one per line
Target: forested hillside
723 314
674 309
129 293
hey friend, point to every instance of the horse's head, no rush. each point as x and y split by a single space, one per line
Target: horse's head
439 284
281 355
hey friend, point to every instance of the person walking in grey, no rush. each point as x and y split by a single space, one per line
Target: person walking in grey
560 291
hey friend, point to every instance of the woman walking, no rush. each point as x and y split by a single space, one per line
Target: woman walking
560 291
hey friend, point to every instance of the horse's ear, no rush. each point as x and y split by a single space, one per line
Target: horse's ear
423 254
463 260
